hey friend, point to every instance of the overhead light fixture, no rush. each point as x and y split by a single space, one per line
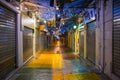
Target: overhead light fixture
74 26
36 12
58 15
45 21
17 8
57 8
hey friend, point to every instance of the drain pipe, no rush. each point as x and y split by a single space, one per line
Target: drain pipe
104 64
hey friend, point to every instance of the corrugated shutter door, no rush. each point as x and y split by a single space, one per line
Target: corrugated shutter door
91 42
73 41
37 40
42 40
7 41
116 38
81 43
27 43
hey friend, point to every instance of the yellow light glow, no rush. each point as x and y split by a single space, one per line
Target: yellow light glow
47 61
57 76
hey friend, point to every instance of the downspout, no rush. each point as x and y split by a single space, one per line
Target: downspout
104 64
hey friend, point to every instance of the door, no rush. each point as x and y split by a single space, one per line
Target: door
81 44
116 38
91 42
27 43
7 41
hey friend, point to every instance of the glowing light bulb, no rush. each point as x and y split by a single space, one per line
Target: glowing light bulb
74 26
17 8
57 8
45 21
58 15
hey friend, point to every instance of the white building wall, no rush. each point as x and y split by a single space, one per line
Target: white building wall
104 37
19 55
19 43
108 37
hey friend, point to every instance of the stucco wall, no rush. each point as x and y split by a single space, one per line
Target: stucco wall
104 37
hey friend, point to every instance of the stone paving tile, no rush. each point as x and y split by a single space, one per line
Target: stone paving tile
69 56
74 66
57 74
33 74
88 76
43 76
67 67
33 70
77 67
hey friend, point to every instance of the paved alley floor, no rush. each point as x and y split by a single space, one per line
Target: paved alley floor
54 64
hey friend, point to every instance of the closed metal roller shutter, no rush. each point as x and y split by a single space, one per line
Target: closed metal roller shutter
73 41
91 42
45 43
116 38
7 41
37 40
42 40
27 43
81 43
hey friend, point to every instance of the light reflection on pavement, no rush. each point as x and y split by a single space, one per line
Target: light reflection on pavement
54 65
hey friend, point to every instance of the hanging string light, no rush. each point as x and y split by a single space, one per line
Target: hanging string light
74 26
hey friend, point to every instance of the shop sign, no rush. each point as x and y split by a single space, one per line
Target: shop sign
89 15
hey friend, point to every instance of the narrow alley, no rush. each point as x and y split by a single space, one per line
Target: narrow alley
59 39
55 64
